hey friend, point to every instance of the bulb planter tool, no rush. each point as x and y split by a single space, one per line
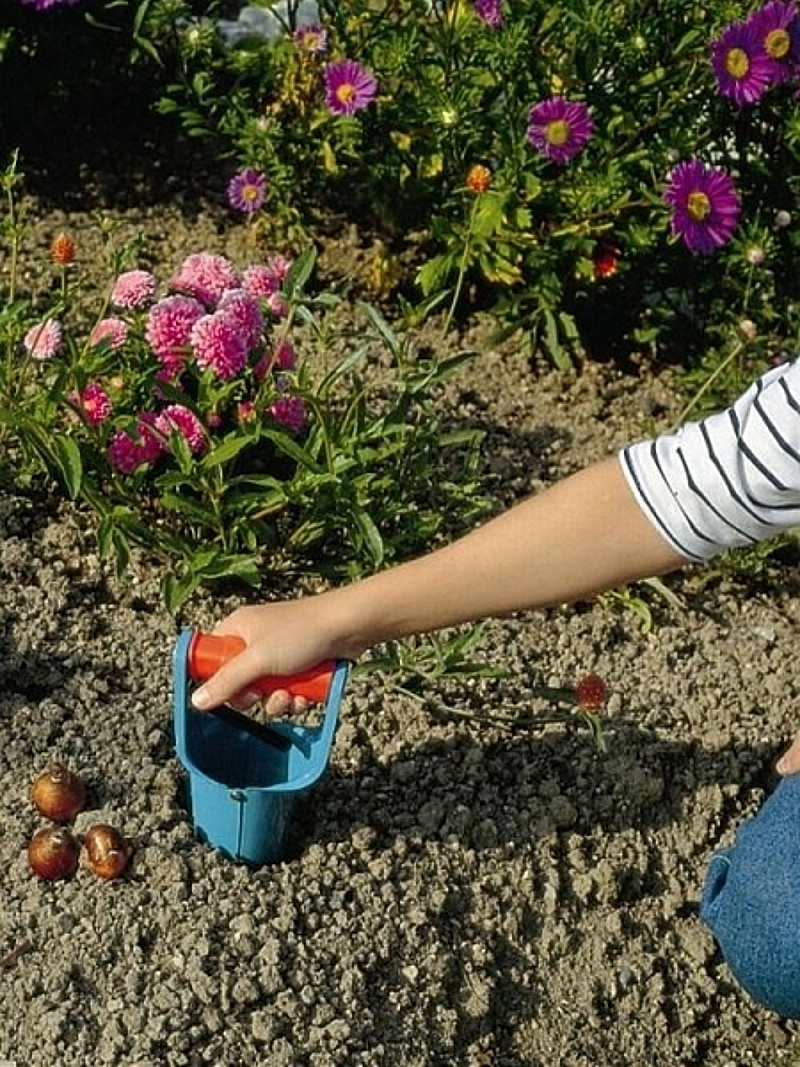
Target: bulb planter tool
245 777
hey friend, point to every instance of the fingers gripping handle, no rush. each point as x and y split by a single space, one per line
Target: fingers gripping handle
208 652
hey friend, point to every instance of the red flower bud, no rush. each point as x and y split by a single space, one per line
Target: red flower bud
591 692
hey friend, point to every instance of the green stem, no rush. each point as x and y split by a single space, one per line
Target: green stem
735 351
462 269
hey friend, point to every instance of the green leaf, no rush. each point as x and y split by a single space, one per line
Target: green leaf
67 455
175 591
371 536
225 451
382 326
290 447
489 216
188 507
433 275
299 273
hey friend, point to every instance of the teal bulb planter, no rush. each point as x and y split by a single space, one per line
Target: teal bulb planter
245 778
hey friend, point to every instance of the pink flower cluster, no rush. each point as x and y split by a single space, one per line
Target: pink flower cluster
208 356
213 318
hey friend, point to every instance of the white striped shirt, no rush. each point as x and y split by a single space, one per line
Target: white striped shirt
732 479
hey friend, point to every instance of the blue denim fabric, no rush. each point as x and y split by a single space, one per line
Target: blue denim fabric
751 902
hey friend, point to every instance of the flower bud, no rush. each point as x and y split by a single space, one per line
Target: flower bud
479 178
748 329
62 250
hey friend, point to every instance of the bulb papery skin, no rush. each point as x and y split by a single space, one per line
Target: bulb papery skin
53 853
59 794
106 851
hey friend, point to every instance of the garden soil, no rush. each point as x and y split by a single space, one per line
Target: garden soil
455 892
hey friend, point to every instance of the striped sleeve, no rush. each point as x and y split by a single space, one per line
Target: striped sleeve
732 479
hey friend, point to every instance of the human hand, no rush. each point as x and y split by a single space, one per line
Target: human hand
281 638
789 763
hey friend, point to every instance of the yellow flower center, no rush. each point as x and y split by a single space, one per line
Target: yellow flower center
698 205
345 93
250 192
557 132
777 44
737 63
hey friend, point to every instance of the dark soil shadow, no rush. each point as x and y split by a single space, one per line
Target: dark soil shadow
489 795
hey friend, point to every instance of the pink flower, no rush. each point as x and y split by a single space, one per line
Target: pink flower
114 332
290 412
127 454
124 454
245 410
93 404
169 328
43 341
284 358
277 305
243 310
262 368
206 277
218 345
260 282
133 289
178 418
279 266
149 437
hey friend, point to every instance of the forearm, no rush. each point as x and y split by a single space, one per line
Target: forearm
581 536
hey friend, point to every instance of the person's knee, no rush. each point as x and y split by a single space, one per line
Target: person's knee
751 902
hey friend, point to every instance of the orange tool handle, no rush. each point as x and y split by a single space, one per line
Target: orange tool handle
208 652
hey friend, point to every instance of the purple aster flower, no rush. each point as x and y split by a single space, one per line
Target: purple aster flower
741 66
559 128
113 332
177 417
133 289
311 38
47 5
777 28
349 87
44 340
206 276
247 191
488 11
219 345
705 206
